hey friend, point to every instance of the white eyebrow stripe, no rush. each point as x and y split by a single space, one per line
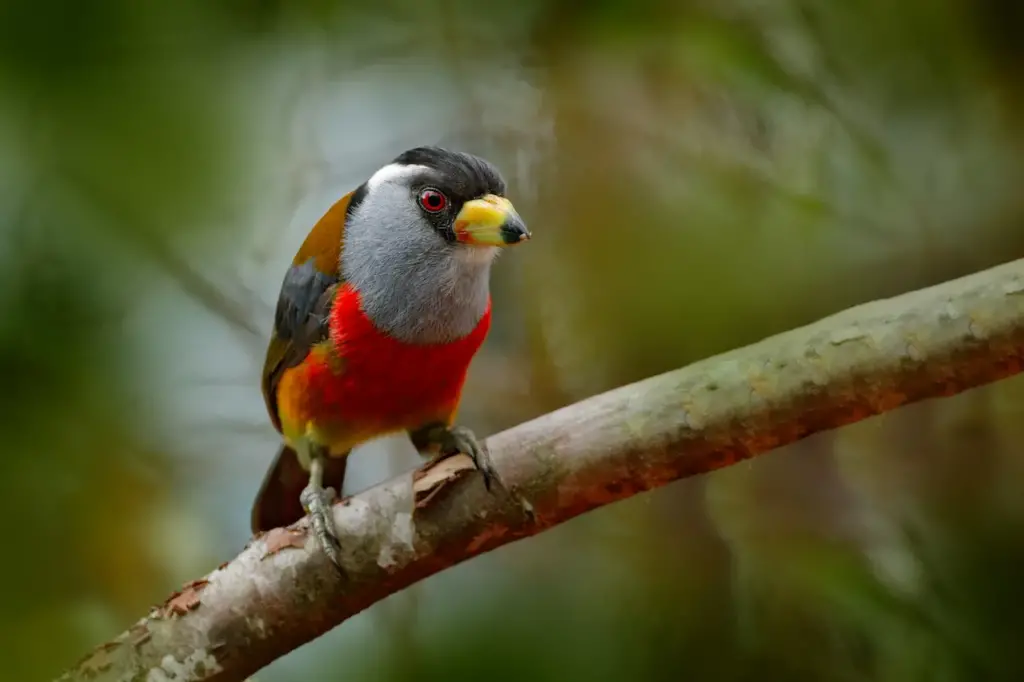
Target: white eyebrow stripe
393 172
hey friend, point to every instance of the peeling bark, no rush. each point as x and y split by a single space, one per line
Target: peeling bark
280 592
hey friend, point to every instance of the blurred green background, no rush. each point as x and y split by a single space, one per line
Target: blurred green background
698 175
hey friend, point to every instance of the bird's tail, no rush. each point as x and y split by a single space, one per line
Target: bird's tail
277 502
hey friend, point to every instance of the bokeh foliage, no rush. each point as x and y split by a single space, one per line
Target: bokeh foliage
698 175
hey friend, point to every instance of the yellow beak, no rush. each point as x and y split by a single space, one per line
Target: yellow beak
490 221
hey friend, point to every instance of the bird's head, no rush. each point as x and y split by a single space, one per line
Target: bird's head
419 239
433 198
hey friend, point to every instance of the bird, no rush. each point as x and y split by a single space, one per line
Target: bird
379 315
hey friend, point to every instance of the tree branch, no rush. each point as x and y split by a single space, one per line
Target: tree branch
280 593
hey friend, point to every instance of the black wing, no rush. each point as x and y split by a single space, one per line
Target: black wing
300 322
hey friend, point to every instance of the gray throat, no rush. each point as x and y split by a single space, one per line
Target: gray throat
414 286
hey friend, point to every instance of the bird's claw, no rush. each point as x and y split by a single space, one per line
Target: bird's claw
317 502
453 440
458 439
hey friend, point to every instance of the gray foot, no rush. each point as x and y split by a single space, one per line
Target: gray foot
317 500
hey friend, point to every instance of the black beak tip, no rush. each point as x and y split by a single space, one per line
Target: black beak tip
514 232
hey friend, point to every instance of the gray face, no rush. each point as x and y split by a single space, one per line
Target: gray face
418 284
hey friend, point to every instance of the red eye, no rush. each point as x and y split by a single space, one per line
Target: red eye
433 201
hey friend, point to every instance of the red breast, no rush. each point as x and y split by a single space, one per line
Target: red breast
382 378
